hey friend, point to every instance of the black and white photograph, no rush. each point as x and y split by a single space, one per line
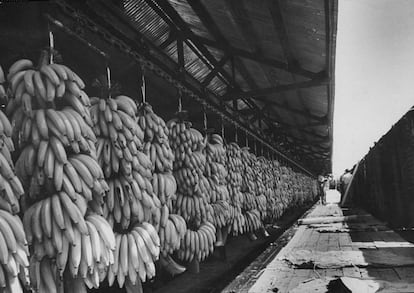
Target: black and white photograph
206 146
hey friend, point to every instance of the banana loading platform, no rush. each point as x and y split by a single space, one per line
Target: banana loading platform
333 249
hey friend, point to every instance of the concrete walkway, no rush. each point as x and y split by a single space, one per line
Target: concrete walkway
363 254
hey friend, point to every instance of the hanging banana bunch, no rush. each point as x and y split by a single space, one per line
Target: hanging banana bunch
11 188
193 191
136 250
3 88
172 227
132 207
216 172
58 168
250 209
234 182
14 252
259 167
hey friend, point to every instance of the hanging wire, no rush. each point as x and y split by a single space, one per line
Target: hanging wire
247 140
108 77
255 147
222 126
205 117
180 105
235 135
51 46
143 89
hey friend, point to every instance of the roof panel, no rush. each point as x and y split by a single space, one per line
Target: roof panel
189 16
146 20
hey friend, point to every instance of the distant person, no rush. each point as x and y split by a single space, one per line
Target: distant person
322 189
344 181
332 182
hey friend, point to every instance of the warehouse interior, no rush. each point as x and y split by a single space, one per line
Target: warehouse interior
211 179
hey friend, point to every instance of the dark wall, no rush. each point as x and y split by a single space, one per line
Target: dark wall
384 181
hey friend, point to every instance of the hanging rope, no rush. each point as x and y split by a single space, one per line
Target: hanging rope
247 140
235 135
51 46
108 77
205 118
180 106
222 127
143 90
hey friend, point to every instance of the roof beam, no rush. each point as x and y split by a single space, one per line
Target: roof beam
164 9
259 93
215 31
296 111
307 143
172 36
256 57
215 71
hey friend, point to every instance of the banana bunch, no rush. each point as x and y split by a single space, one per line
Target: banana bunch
156 145
153 125
134 256
130 201
120 138
216 173
66 126
223 213
193 208
172 227
44 275
164 186
48 170
57 92
38 87
234 180
197 244
234 166
185 140
253 220
3 89
11 188
258 168
261 204
188 145
50 112
171 234
171 266
248 175
14 253
238 224
249 201
127 169
80 250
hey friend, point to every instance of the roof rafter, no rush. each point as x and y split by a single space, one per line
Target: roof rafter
276 89
215 71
